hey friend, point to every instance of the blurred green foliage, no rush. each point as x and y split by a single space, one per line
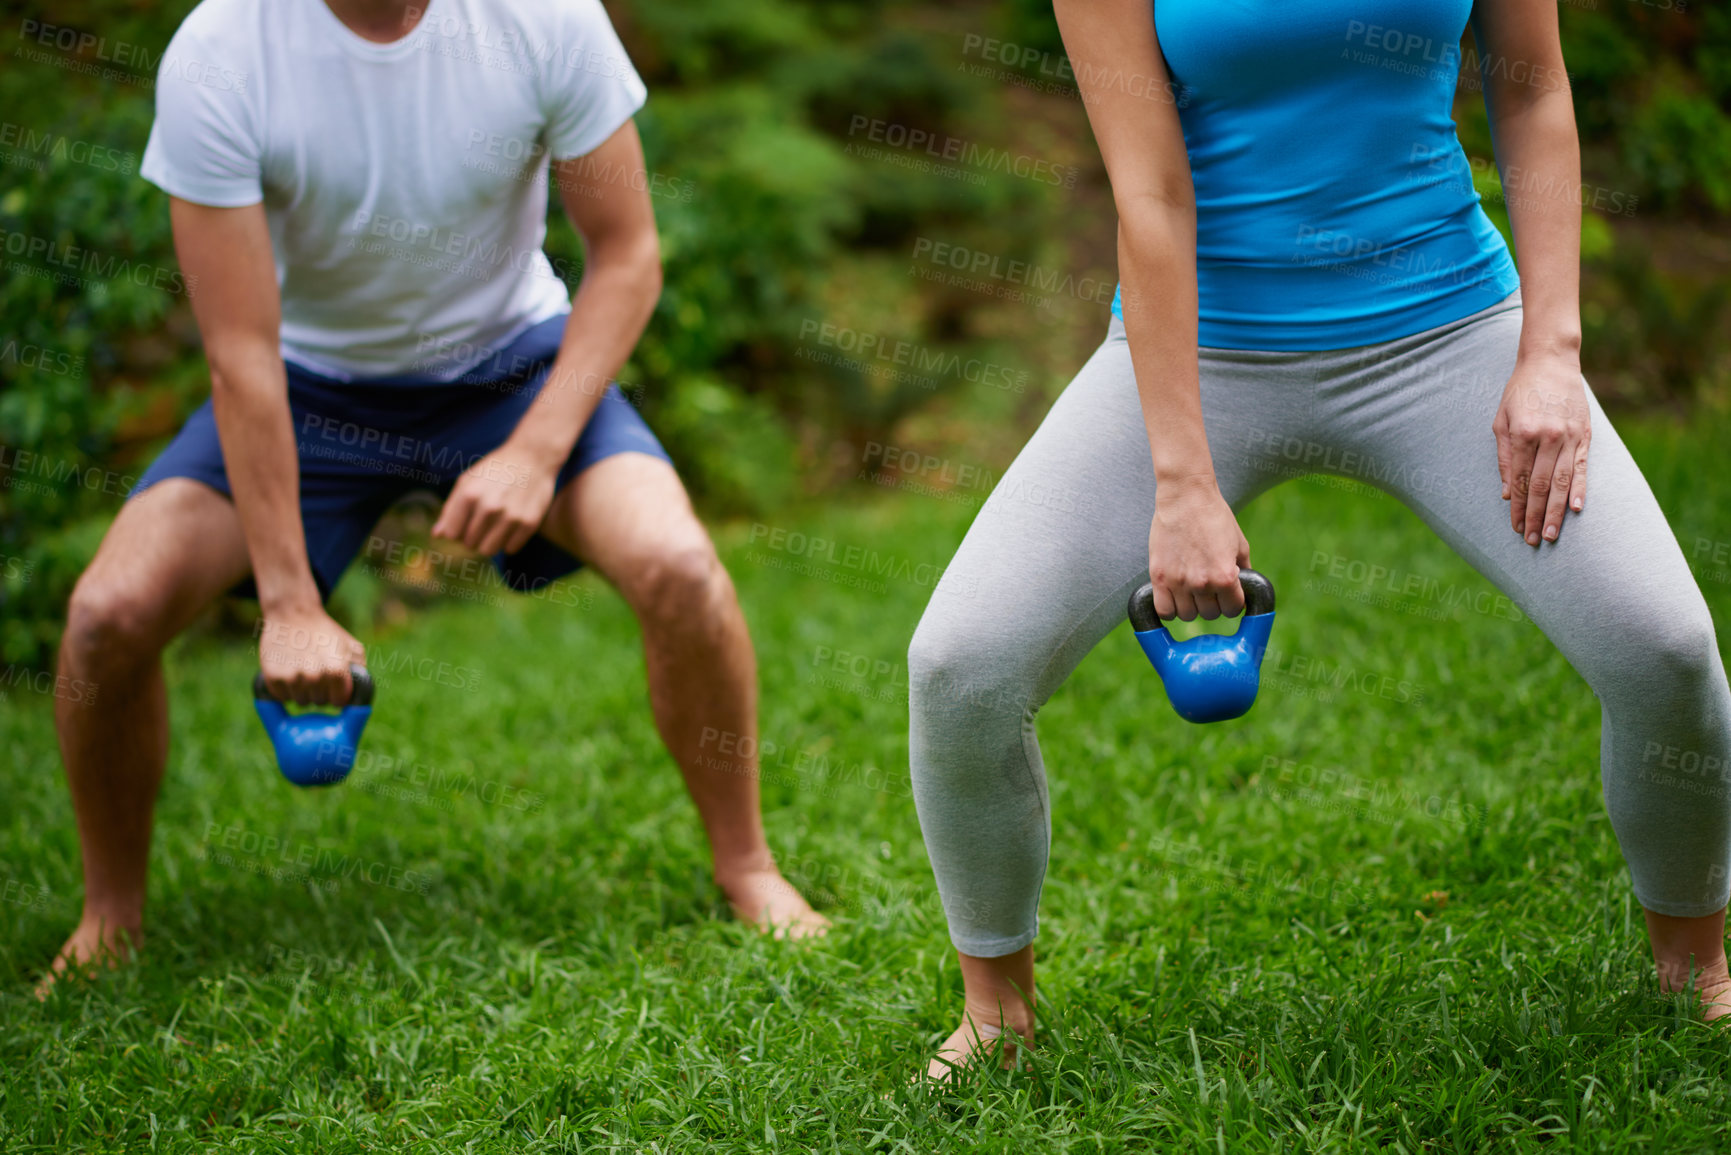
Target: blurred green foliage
1652 88
781 221
752 109
1651 82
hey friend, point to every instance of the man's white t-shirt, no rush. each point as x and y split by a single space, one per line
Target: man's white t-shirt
405 183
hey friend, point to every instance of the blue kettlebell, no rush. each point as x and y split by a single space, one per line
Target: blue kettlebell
1211 677
316 749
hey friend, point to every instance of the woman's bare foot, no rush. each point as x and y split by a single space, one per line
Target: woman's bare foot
96 942
1712 986
978 1039
1689 950
998 1017
772 904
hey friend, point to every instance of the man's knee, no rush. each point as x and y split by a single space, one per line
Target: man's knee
679 581
113 622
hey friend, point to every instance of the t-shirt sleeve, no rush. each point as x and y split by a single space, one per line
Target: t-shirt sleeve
590 87
205 145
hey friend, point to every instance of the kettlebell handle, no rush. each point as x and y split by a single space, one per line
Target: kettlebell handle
362 694
1258 599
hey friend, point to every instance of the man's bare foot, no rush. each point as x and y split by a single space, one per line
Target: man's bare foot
772 904
96 942
979 1038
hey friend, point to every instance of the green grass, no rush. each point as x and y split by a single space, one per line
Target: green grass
569 980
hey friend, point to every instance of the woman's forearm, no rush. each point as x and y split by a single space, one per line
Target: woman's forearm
1539 157
1157 266
1142 142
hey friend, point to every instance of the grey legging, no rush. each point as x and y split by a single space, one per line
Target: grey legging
1062 542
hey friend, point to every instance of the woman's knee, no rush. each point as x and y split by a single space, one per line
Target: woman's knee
1668 650
956 671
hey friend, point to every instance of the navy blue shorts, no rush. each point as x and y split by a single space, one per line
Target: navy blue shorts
365 444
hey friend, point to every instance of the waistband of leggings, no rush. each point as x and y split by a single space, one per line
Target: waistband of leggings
1510 303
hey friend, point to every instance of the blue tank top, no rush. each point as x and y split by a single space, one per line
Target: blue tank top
1334 205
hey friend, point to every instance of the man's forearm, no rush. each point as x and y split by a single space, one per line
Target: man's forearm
249 394
608 315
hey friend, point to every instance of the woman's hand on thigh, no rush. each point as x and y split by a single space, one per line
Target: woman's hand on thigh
1543 427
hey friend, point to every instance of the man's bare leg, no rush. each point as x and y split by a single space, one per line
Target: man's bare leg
168 555
629 517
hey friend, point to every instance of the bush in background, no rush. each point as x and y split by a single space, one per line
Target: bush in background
766 208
